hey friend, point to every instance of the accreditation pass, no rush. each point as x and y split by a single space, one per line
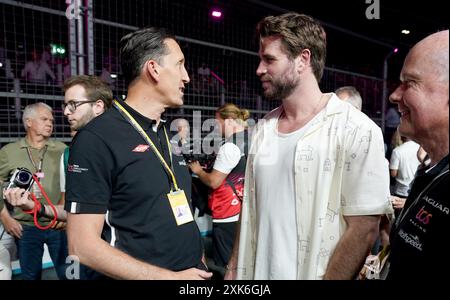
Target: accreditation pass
180 207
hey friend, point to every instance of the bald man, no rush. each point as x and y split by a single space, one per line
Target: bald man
421 230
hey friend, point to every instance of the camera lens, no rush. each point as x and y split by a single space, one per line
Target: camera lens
23 177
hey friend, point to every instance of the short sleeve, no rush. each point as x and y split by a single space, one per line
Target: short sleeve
395 160
365 184
89 179
227 158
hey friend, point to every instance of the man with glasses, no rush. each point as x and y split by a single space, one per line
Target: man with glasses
85 97
84 89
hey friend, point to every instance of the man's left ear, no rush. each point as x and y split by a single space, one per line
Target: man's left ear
152 68
99 107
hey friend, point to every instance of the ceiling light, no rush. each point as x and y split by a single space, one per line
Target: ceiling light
405 31
216 13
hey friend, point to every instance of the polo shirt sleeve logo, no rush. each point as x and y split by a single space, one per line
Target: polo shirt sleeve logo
141 148
76 169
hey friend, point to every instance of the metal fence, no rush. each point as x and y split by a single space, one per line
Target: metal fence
82 36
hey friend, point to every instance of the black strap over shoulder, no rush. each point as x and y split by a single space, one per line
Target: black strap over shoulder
243 146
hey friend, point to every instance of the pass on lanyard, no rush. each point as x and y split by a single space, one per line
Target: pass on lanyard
177 199
180 207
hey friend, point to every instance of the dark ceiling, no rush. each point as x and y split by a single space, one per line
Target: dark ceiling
352 37
420 17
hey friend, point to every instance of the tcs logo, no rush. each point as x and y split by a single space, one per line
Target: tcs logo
423 216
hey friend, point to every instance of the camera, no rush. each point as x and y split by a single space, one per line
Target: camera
206 160
21 178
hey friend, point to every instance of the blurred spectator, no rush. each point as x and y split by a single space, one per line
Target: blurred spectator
183 129
396 140
226 180
5 64
403 166
204 77
392 120
351 95
47 57
180 141
67 70
204 71
5 263
37 70
244 90
109 67
105 76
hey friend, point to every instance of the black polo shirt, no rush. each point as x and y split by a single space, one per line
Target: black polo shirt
419 245
112 171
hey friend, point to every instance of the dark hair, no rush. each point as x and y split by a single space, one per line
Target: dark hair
298 32
137 47
96 89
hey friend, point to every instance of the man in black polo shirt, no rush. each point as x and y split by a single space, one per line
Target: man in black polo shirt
127 194
420 235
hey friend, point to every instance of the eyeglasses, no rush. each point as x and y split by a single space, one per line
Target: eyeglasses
72 104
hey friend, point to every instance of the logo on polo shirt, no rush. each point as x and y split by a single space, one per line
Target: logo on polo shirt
76 169
437 205
410 239
141 148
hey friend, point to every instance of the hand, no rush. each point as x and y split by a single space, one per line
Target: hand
59 225
398 202
19 197
195 167
193 274
11 226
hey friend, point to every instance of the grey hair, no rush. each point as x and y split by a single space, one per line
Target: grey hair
30 111
354 97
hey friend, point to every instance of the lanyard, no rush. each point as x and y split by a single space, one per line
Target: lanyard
145 136
39 166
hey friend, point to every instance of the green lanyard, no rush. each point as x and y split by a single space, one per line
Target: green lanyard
145 136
